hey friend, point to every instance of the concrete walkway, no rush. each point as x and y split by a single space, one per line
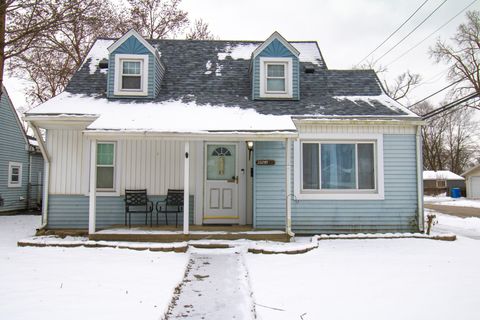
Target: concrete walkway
215 286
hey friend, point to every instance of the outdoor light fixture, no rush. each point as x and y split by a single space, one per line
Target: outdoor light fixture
250 148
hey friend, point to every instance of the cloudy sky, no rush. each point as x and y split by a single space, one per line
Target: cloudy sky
346 30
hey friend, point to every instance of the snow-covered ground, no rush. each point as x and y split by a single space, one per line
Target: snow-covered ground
82 283
448 201
370 279
341 279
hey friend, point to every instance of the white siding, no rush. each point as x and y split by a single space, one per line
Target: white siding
329 128
65 148
156 165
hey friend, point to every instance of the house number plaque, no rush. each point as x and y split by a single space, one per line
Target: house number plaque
265 162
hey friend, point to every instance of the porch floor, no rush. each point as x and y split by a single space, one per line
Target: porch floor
171 234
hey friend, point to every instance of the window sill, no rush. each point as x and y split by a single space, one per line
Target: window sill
14 185
339 196
131 93
106 193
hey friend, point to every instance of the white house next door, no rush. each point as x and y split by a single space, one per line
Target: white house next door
221 183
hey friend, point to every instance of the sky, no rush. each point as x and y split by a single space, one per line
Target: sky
346 31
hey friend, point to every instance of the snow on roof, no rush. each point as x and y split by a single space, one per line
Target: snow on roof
97 52
441 175
167 116
383 99
309 51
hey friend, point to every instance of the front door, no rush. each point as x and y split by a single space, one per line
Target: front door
221 183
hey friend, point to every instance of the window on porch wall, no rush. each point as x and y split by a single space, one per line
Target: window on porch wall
105 166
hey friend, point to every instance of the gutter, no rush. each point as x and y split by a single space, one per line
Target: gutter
288 186
420 213
46 158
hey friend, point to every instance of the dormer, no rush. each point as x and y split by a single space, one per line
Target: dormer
134 68
275 70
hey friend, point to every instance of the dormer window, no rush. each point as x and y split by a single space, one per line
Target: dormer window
275 77
131 75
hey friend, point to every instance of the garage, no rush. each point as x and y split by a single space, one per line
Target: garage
472 181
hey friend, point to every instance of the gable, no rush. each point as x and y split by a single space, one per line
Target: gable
10 126
133 46
276 50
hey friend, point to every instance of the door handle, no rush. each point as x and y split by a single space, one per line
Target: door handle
234 179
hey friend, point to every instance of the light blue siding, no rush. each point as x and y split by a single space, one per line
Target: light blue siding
13 148
155 67
71 212
269 186
276 49
396 213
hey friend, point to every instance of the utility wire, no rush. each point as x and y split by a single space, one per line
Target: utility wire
431 34
414 29
396 30
449 106
440 90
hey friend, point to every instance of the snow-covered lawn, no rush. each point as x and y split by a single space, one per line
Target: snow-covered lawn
370 279
448 201
82 283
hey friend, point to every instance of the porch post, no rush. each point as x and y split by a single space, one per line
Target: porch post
93 187
288 189
186 184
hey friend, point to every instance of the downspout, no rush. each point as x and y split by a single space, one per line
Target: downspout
420 217
288 187
46 178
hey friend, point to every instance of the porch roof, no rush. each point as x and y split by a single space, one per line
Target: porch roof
172 116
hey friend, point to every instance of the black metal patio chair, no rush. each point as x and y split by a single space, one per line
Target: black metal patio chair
136 201
173 203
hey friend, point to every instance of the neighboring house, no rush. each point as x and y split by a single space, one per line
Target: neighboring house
442 181
21 163
472 182
258 133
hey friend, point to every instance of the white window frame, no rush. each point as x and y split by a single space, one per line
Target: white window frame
11 165
119 59
288 62
115 169
339 194
443 182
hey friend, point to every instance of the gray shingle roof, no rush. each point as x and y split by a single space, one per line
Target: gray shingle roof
321 92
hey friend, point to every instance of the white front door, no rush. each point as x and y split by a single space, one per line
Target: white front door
221 183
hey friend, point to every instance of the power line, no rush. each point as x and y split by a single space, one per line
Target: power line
414 29
440 90
449 106
431 34
396 30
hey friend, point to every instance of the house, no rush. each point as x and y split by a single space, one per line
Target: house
441 181
21 163
472 182
256 133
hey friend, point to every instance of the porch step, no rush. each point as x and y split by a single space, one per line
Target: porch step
179 237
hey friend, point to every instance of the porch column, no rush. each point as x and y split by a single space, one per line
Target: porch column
93 188
186 185
288 185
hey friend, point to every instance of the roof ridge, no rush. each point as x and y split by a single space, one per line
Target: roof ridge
211 40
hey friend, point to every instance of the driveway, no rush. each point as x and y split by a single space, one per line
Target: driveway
462 212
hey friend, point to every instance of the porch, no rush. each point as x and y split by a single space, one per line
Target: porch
166 233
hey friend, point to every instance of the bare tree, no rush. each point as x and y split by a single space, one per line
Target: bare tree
401 85
462 54
157 19
27 19
449 139
54 56
199 31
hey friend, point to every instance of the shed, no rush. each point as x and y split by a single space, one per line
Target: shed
442 181
472 182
